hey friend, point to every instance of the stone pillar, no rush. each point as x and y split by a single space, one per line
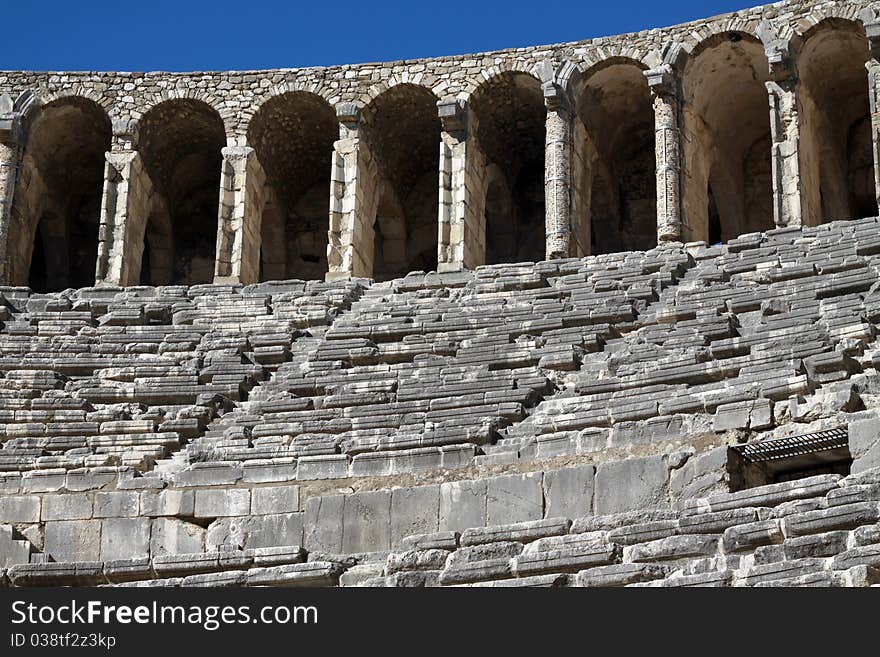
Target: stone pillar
557 173
668 152
242 199
353 199
11 140
457 242
789 202
125 208
872 31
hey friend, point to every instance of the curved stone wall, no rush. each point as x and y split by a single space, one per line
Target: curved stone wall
374 170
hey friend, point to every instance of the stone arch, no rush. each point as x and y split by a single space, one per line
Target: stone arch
509 118
726 134
58 195
541 71
710 35
421 79
293 135
615 140
197 97
834 111
180 141
402 132
846 11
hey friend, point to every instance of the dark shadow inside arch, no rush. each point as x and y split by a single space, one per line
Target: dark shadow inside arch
511 126
58 198
727 139
403 131
838 161
180 141
293 137
616 109
38 278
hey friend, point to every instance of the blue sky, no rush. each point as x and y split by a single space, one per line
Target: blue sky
146 35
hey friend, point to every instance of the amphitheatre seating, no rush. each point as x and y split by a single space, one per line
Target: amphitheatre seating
434 370
197 431
107 376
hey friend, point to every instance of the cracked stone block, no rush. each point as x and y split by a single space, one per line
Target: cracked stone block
73 540
323 524
174 536
125 538
462 505
568 492
366 522
514 498
637 483
414 511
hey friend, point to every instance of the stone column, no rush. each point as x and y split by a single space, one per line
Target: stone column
455 223
353 199
125 208
872 31
668 152
11 139
789 202
557 173
240 214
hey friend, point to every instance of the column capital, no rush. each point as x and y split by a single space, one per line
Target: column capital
662 80
125 134
349 115
453 115
872 32
236 153
781 63
555 97
11 122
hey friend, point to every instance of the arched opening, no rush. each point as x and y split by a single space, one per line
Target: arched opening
728 188
53 236
293 136
403 133
510 127
157 260
837 160
616 110
180 142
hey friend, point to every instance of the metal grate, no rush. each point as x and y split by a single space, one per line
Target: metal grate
783 448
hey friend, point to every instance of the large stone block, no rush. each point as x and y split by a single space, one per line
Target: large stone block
864 444
73 540
702 474
219 502
118 504
323 524
638 483
462 505
173 536
274 499
366 522
414 511
263 531
125 538
514 498
76 506
568 493
16 509
170 502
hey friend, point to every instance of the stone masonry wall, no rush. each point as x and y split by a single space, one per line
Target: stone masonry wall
779 38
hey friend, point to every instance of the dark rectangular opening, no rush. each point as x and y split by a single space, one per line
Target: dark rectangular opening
787 459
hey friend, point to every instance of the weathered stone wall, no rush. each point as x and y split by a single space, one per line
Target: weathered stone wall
572 421
719 162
